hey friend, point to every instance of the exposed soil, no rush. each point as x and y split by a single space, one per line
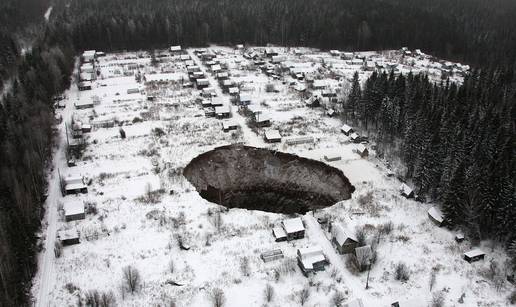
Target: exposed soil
238 176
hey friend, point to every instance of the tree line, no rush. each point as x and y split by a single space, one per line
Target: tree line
455 142
453 139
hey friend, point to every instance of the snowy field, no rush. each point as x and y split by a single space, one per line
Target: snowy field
138 203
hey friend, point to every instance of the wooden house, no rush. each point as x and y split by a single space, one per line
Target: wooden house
223 111
202 83
347 130
263 119
311 259
474 255
229 125
362 150
68 237
294 228
84 86
406 191
272 136
74 185
74 210
344 240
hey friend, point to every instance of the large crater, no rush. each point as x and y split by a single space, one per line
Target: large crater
238 176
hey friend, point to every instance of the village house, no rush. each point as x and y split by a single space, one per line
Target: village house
343 239
294 228
311 260
332 157
88 56
83 104
233 91
263 119
406 191
272 136
74 210
244 100
202 83
346 55
355 137
347 130
229 125
436 216
474 255
223 111
176 49
279 234
362 150
74 185
68 237
85 86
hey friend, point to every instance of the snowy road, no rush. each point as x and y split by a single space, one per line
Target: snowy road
45 277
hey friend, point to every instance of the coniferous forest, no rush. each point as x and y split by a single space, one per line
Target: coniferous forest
456 142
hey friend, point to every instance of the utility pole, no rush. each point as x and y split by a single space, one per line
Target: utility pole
367 281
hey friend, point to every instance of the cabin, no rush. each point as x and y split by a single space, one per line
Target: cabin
263 119
347 130
68 237
272 136
459 237
176 49
330 112
88 56
332 157
244 100
84 86
233 91
343 239
229 125
272 255
223 112
436 216
406 191
74 210
313 102
74 185
355 138
202 83
354 303
296 140
294 228
474 255
362 150
85 104
222 76
311 260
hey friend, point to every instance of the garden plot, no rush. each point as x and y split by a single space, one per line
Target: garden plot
142 214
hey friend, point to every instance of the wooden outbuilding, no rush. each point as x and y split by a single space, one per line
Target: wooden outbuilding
311 260
344 240
474 255
294 228
272 255
68 237
74 210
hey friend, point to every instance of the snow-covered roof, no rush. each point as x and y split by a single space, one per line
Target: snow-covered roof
175 48
263 117
216 67
361 148
474 253
73 207
272 134
222 74
405 189
345 128
227 124
233 90
354 136
293 225
89 53
279 233
68 234
320 83
436 214
245 98
223 109
203 81
341 234
311 255
300 87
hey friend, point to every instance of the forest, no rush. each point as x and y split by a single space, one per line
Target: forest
456 142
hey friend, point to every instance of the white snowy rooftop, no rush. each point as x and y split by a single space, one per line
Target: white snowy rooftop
293 225
436 214
341 234
73 207
272 134
474 253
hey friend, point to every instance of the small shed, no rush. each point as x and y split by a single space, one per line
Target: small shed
311 259
294 228
272 136
229 125
68 237
279 234
347 130
362 151
406 191
223 111
435 214
459 237
343 239
474 255
332 157
74 184
355 138
272 255
74 210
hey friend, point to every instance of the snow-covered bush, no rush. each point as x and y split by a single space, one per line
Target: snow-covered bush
131 278
268 293
337 299
303 295
217 297
438 299
401 272
512 297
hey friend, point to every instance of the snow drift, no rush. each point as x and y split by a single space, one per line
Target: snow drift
238 176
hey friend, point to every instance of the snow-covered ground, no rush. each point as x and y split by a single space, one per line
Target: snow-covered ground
127 229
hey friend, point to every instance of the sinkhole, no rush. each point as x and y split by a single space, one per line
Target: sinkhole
237 176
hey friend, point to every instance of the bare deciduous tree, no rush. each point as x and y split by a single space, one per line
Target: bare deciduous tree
268 293
304 295
131 278
217 297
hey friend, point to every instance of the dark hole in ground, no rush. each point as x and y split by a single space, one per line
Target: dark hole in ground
238 176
